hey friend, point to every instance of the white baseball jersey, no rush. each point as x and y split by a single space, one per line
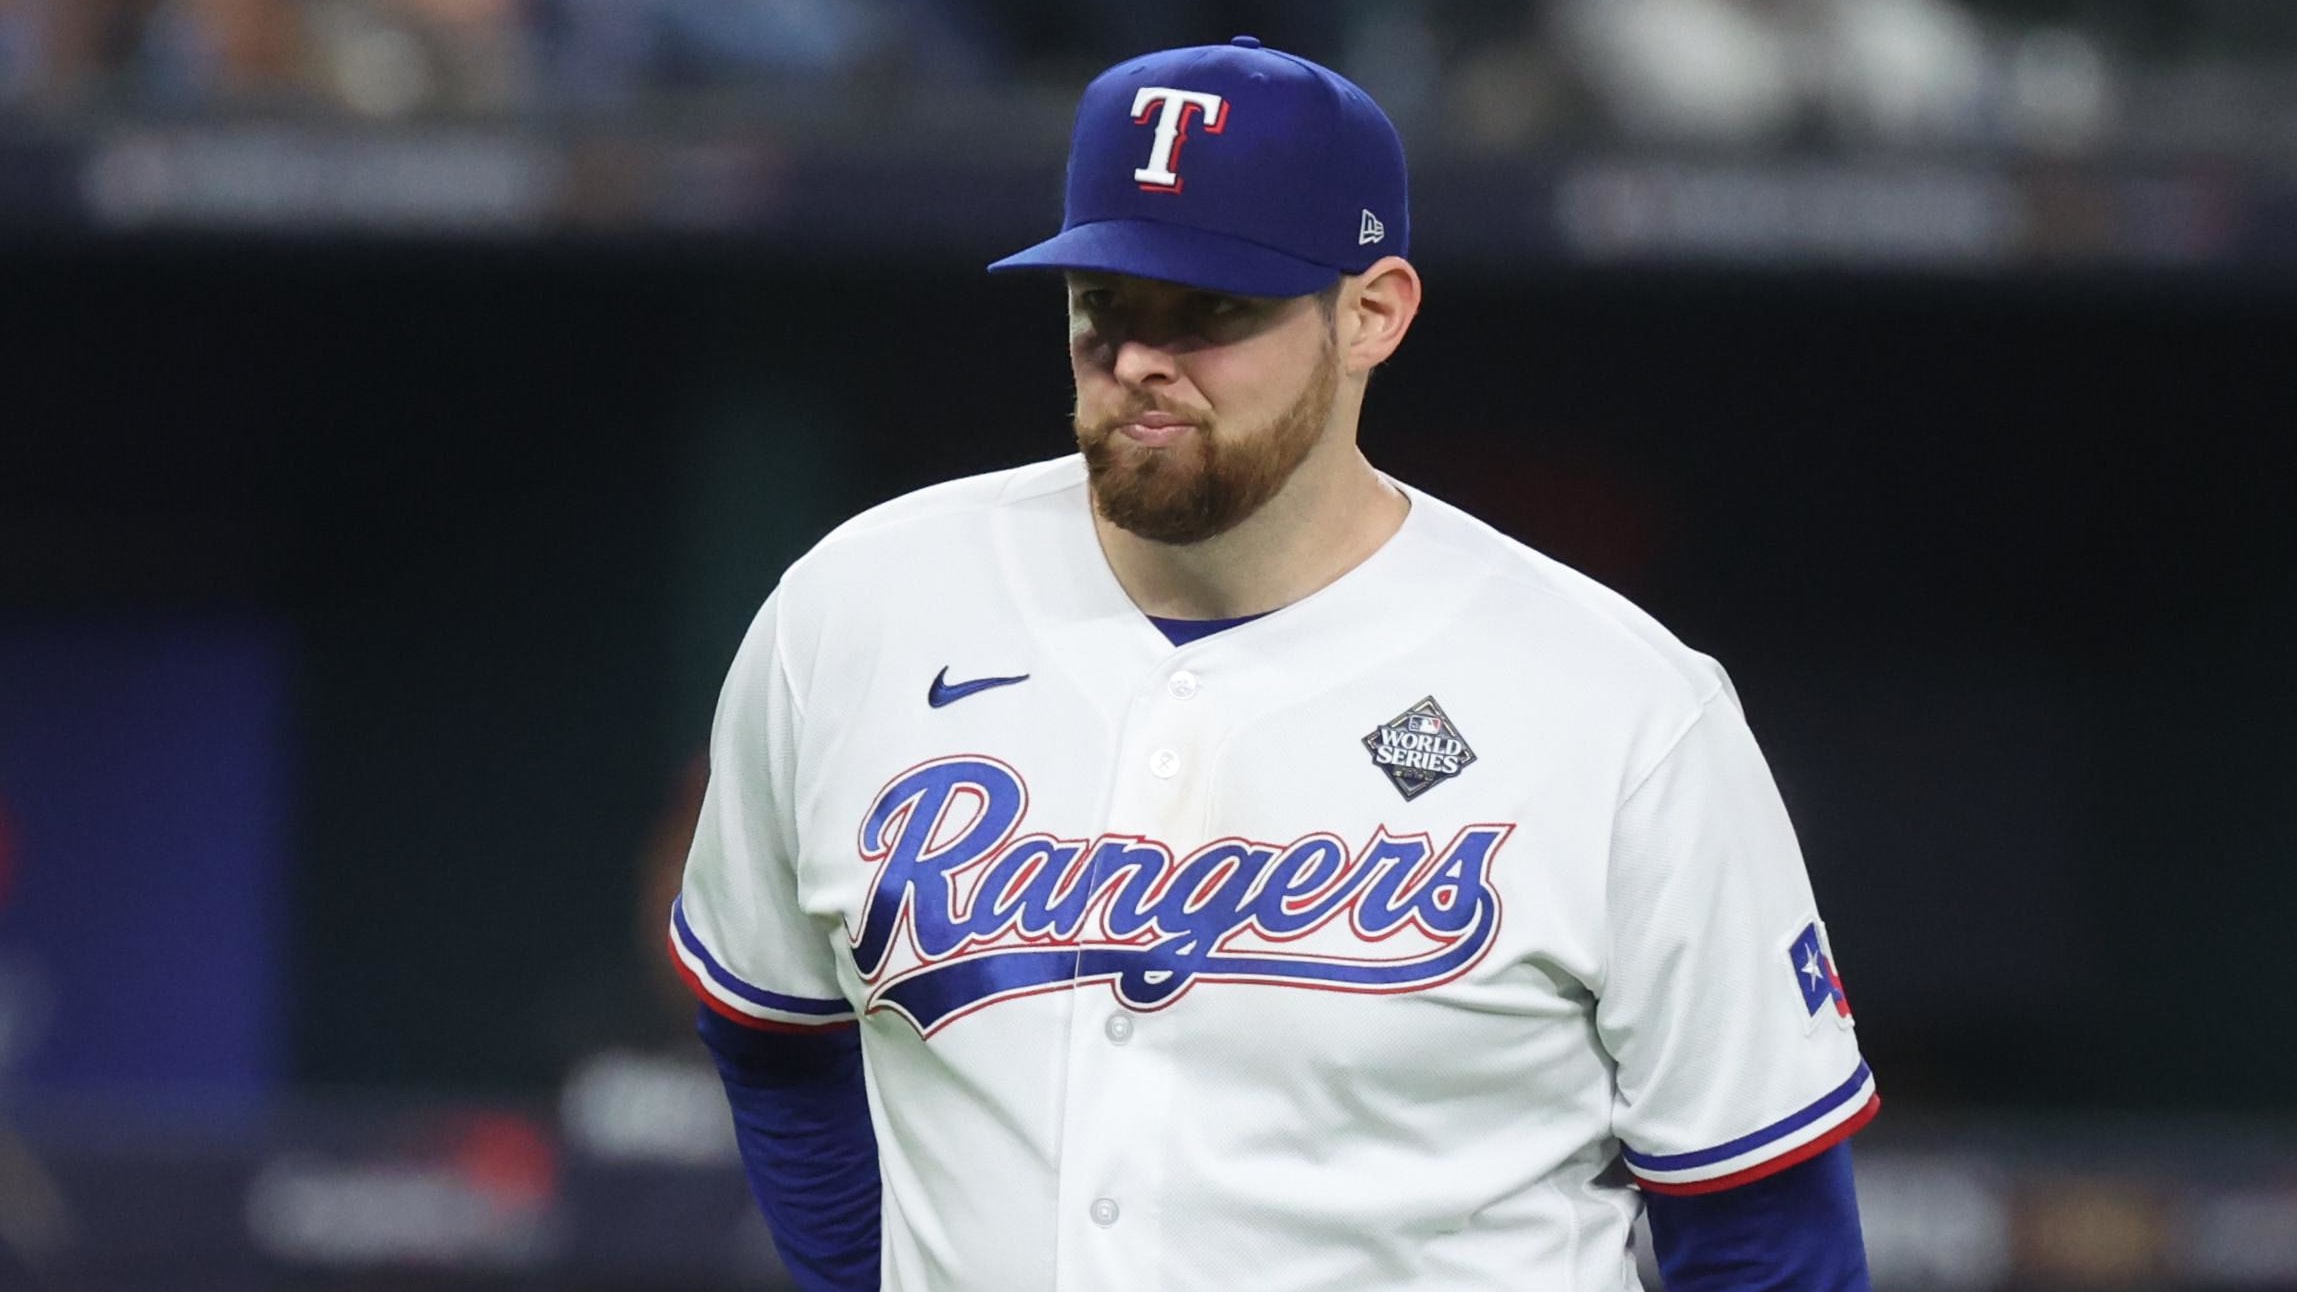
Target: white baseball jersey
1387 941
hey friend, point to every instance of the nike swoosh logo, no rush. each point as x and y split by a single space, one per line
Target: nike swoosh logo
944 692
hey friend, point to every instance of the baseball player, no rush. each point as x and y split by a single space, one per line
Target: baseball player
1204 862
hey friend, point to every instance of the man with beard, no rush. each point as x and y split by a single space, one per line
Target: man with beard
1284 882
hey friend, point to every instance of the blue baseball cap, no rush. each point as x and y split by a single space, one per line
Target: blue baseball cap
1232 168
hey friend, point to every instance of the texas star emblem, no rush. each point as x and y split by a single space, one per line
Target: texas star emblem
1419 749
1822 992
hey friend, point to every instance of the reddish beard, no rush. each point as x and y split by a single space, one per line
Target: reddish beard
1209 480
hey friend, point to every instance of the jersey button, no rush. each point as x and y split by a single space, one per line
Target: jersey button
1119 1028
1104 1212
1183 686
1165 763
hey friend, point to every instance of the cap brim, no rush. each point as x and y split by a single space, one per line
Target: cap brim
1175 253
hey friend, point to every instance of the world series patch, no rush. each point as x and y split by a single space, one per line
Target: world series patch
1419 749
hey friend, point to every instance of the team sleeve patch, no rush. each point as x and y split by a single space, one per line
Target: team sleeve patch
1815 976
739 1001
1797 1137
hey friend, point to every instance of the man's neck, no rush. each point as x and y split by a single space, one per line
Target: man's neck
1328 519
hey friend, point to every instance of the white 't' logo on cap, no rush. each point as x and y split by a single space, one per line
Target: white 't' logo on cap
1172 130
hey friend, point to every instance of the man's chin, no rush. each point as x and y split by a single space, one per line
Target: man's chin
1155 506
1170 528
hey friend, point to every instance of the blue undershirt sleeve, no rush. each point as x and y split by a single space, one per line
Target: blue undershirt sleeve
1796 1231
801 1119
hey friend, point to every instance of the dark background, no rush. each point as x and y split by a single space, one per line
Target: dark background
2001 570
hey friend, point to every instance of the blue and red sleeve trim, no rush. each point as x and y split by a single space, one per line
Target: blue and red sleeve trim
1795 1138
740 1002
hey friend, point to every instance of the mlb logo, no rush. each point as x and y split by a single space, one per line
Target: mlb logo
1815 975
1425 725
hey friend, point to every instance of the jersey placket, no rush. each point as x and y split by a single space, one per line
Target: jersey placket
1122 1061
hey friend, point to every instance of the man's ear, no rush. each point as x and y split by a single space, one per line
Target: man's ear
1376 310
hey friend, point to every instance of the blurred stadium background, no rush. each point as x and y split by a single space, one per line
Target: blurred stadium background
405 403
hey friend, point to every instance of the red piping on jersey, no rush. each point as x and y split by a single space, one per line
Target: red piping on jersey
1793 1157
732 1015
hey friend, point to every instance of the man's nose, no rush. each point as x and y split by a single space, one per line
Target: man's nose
1139 363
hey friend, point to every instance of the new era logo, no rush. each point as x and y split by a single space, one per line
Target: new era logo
1369 230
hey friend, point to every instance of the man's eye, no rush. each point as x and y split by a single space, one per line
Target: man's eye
1220 306
1095 301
